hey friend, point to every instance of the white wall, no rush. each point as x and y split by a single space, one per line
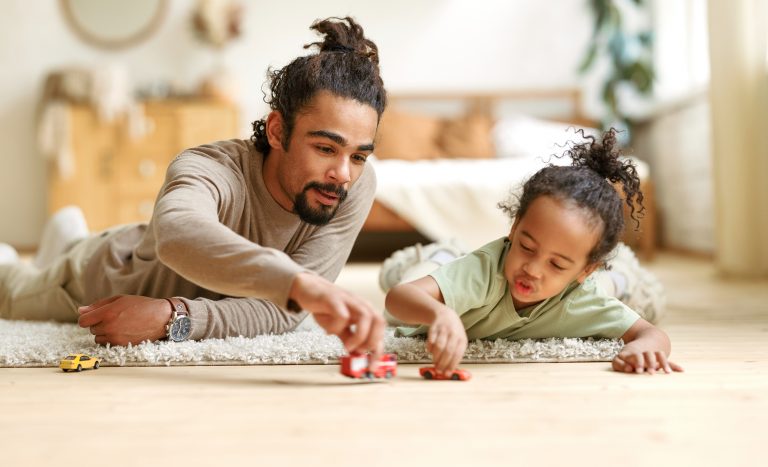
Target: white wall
424 45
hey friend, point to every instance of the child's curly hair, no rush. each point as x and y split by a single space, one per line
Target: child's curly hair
588 182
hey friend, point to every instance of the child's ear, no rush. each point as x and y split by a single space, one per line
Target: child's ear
589 269
512 230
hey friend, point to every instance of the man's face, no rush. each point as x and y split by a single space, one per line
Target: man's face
549 248
332 138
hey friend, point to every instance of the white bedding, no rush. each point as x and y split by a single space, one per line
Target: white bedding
457 198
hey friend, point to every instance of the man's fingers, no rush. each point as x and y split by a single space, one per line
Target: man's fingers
362 322
375 340
92 317
98 329
334 319
98 304
345 337
101 340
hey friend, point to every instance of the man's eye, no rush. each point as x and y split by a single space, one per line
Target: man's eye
325 149
359 158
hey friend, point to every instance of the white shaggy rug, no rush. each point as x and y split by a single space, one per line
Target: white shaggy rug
43 344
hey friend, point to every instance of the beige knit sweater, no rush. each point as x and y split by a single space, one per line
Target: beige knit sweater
219 240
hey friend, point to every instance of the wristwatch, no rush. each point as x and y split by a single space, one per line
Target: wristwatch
179 327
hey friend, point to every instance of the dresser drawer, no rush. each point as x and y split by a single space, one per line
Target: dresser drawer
141 172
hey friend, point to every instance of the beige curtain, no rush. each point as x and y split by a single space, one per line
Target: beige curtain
738 46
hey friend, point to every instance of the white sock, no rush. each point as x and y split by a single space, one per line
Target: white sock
63 228
619 282
8 254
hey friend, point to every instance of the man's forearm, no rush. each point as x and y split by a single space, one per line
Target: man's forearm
248 317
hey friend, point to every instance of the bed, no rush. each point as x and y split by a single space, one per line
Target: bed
444 161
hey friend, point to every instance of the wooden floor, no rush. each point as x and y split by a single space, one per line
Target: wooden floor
716 413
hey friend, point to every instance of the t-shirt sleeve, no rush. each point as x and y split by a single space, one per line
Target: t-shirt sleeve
590 312
465 282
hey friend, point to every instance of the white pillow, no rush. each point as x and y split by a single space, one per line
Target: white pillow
528 137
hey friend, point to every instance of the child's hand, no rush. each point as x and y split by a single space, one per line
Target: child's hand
447 340
635 361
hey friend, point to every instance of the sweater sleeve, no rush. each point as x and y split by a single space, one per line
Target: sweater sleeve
247 317
191 240
232 265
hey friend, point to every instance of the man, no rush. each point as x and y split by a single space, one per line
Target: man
245 234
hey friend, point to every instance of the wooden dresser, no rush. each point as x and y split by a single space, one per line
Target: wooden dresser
117 178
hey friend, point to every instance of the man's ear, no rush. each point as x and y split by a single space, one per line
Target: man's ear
589 269
275 128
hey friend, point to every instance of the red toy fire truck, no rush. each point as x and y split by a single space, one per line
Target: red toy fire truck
355 365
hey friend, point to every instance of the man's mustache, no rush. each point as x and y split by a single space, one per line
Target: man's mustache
328 188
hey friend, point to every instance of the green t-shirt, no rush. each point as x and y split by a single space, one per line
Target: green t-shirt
475 287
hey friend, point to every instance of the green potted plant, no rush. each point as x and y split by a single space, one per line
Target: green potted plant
628 53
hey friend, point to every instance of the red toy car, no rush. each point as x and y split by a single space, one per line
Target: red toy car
356 366
429 372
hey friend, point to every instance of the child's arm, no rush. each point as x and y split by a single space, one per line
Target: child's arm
421 302
646 348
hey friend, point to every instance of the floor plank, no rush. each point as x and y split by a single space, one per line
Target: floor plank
715 413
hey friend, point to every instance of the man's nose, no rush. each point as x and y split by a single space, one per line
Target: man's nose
339 173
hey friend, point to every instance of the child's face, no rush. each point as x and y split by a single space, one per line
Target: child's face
549 249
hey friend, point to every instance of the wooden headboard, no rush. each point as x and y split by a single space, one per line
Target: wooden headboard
558 104
384 228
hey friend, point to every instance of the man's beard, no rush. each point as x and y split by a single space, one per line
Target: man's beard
324 214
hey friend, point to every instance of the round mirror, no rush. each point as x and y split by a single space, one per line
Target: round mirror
114 24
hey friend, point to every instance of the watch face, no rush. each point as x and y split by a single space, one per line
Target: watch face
181 329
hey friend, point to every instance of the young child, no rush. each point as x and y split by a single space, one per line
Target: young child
537 281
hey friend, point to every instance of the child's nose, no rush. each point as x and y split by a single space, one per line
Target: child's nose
532 269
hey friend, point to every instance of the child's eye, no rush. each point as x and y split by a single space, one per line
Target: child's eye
557 266
526 248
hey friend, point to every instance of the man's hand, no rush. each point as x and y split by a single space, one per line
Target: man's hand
447 340
125 319
354 320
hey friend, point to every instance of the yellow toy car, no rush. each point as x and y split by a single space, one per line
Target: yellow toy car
79 362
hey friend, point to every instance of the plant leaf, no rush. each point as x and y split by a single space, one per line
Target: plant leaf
589 58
